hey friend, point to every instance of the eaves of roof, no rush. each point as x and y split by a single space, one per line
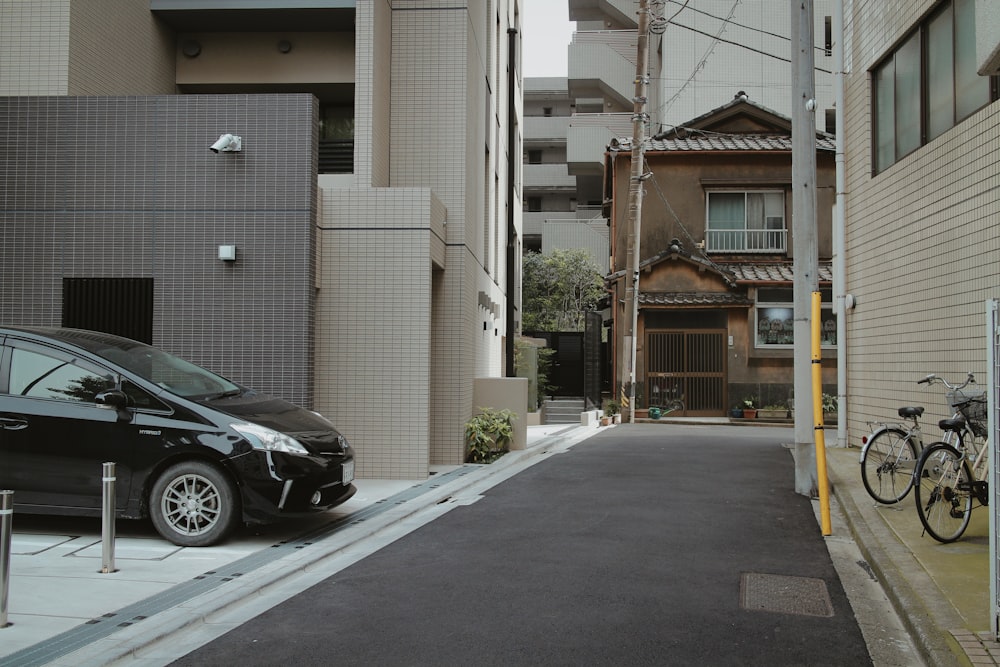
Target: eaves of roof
734 142
773 272
693 299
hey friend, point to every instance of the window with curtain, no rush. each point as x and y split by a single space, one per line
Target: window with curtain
928 84
746 221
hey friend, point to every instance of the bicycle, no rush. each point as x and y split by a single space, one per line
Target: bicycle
945 483
890 452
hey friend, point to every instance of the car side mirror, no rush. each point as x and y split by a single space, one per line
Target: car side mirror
116 399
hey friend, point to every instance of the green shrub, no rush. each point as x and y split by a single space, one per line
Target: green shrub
488 435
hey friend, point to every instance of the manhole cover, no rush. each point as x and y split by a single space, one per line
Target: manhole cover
784 595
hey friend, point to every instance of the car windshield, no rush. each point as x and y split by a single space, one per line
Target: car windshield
161 368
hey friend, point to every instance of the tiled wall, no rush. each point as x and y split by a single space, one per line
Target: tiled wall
89 47
923 241
374 326
34 47
117 47
126 186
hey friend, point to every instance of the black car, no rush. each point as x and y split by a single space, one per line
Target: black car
194 452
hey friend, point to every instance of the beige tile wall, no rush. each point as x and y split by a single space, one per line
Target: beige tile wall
117 47
923 242
374 326
34 47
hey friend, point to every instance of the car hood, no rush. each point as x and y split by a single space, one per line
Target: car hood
312 430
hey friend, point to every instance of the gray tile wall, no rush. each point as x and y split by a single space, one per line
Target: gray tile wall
126 186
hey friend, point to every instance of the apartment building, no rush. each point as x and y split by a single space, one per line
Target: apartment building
706 52
346 248
922 202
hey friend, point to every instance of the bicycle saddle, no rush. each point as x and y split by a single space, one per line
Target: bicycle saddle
906 413
951 424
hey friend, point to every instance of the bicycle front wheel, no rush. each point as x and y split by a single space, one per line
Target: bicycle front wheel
943 485
887 465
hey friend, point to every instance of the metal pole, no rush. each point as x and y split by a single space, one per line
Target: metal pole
639 118
108 520
817 379
6 517
839 226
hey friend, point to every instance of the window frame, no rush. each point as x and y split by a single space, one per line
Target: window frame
828 335
744 245
885 147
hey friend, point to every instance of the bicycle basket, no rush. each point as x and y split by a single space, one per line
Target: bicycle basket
973 408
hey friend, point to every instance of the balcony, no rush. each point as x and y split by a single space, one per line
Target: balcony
618 11
545 130
602 64
588 139
740 241
548 178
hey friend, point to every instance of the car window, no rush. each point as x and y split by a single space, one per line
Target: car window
43 376
141 399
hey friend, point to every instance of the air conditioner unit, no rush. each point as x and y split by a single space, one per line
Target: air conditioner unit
775 222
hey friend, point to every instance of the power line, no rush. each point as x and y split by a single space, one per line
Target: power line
716 39
743 46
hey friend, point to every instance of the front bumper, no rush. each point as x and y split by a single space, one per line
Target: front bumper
278 485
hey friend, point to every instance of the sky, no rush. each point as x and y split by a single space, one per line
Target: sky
547 33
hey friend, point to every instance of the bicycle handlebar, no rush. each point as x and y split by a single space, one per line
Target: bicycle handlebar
932 378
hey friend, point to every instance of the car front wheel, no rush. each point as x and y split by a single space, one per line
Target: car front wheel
194 504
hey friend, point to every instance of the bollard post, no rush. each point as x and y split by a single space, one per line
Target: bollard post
108 520
6 518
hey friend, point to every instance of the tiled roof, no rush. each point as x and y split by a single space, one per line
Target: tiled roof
773 272
734 142
693 299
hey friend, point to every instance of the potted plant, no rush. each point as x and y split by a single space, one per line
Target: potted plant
750 407
488 435
736 412
613 410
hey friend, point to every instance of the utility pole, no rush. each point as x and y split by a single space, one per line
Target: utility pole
639 120
806 262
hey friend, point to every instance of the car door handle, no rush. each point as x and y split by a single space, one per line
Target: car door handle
13 423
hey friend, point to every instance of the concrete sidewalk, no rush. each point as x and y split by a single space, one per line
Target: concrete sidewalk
63 611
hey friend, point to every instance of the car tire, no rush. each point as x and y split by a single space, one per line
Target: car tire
194 504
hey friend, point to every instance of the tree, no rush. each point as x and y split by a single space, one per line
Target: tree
558 289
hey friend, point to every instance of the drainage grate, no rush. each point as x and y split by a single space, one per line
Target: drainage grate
90 631
785 595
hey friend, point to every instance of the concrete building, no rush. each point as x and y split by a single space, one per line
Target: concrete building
554 215
358 253
922 202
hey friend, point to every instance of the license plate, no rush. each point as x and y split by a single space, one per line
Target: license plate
347 472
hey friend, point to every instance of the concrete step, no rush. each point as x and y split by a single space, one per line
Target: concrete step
563 410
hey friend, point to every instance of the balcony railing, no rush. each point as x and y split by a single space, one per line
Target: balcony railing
746 240
336 156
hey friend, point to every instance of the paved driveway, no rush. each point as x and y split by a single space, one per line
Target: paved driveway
642 545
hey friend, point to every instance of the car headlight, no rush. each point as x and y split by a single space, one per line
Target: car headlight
267 439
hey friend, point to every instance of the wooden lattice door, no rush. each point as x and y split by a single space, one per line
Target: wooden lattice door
689 366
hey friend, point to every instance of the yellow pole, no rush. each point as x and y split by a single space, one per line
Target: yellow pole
817 384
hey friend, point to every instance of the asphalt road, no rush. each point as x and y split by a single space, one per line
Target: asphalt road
639 546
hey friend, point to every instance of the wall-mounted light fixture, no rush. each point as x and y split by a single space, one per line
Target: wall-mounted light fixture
227 143
227 253
284 46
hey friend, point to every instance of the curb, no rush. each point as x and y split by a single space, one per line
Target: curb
124 646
